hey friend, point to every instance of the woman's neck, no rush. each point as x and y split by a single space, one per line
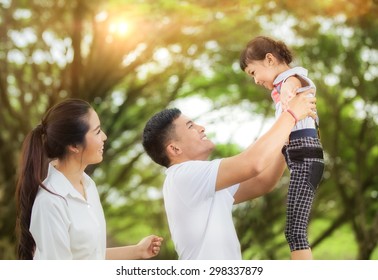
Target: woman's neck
72 171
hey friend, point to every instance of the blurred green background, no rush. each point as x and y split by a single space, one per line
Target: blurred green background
130 59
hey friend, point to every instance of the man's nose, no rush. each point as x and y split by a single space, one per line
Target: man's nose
200 128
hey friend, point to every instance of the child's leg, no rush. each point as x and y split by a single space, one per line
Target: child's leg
302 254
300 198
306 169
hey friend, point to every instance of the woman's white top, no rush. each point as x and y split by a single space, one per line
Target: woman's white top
64 225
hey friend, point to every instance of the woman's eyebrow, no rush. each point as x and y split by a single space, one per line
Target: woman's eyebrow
97 128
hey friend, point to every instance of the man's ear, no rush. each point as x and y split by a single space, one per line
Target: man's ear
173 150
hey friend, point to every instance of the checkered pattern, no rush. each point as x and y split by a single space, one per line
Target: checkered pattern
300 194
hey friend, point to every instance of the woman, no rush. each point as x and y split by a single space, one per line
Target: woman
59 210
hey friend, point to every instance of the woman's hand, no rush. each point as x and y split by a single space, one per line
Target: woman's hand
149 246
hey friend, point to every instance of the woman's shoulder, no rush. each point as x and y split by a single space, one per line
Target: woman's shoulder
48 198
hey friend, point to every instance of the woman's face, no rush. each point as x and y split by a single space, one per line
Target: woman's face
94 139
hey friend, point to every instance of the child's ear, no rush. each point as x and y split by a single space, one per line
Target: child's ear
270 59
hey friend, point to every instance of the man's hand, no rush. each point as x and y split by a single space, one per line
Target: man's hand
304 104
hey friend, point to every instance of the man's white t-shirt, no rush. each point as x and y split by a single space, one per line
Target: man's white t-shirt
68 227
200 218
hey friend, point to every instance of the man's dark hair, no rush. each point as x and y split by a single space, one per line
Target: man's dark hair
156 134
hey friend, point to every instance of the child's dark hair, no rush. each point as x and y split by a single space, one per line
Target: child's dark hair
258 47
156 134
64 124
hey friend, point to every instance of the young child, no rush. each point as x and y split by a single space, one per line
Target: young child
267 61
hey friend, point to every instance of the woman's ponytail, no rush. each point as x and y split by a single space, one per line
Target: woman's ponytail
33 169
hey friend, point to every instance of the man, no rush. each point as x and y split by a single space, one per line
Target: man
198 193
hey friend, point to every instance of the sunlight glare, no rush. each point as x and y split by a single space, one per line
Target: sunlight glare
120 28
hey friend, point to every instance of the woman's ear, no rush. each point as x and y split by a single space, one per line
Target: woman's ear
73 149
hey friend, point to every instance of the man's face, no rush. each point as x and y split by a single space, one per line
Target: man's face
191 140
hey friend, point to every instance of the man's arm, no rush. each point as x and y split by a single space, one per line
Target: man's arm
263 183
258 156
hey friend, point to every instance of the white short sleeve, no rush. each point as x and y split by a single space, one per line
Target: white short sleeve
195 180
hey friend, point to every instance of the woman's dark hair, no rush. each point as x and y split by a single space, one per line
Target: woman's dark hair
258 47
156 134
64 124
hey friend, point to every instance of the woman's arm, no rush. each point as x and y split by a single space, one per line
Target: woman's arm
147 248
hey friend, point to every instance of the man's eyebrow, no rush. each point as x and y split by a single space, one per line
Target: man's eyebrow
189 122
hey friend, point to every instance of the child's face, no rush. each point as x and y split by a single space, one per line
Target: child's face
262 72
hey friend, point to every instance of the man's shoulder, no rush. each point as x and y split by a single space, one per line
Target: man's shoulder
193 166
192 174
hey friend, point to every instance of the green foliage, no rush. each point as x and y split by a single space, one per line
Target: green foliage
338 245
